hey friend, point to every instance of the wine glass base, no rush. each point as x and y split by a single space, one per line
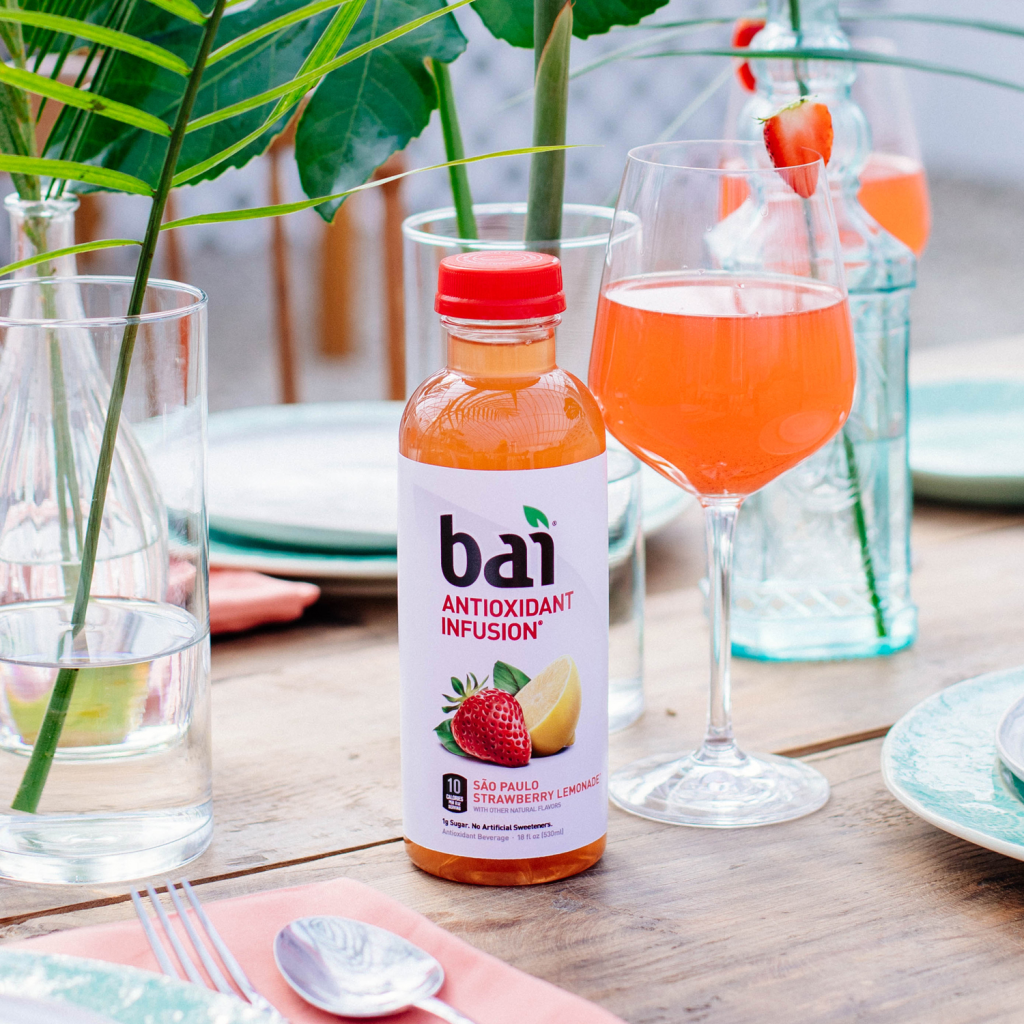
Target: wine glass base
732 792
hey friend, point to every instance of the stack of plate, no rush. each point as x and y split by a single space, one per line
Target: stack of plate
311 492
967 441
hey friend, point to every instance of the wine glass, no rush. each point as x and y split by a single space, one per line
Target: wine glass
723 355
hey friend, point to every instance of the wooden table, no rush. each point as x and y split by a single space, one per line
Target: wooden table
861 912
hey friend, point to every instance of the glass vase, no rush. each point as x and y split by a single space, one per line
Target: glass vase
822 554
128 789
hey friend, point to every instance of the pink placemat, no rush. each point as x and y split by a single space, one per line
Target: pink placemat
240 599
479 985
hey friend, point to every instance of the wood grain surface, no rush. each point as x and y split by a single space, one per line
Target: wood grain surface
860 912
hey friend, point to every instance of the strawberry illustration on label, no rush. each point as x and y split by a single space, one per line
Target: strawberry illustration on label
797 135
742 33
488 724
515 719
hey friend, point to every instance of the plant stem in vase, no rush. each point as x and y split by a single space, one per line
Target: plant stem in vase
462 197
552 36
38 768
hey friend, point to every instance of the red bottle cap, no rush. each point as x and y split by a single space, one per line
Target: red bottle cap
499 286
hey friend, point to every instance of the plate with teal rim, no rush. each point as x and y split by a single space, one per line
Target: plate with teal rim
313 489
967 441
374 572
939 760
126 995
322 476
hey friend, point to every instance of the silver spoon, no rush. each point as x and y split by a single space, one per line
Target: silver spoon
358 970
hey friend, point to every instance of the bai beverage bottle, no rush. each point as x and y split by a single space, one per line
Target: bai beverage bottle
503 589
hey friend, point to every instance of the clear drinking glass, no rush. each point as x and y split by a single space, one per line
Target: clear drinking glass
625 591
723 355
128 792
430 236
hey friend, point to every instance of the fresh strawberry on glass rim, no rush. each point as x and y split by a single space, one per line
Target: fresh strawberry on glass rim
742 33
795 137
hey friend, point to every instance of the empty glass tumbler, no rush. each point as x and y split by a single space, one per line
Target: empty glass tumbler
625 590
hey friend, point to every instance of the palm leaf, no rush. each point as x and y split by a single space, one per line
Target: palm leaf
848 56
329 42
291 92
110 38
275 25
71 171
283 209
308 79
71 250
938 19
40 85
184 9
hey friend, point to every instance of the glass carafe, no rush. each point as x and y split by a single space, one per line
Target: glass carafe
822 557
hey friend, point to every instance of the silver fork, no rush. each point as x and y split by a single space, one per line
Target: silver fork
188 965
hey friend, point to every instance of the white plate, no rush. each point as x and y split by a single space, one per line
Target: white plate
940 761
322 481
84 988
319 476
967 441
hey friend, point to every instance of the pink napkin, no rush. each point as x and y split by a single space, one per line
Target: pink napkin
241 600
479 985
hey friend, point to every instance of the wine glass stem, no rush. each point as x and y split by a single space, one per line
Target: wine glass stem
720 527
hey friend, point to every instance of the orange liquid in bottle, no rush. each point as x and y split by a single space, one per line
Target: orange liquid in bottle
894 191
722 384
502 406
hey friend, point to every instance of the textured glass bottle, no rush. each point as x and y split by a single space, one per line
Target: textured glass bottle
822 557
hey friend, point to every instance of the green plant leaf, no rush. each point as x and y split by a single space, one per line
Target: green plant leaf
550 107
270 61
71 250
283 209
444 734
41 85
512 20
110 38
229 128
314 69
535 517
184 9
982 25
74 172
274 25
459 688
462 196
370 108
509 679
849 56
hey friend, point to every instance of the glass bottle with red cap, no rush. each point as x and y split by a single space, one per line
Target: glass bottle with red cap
503 589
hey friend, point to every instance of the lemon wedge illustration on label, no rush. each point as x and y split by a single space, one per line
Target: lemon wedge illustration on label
551 706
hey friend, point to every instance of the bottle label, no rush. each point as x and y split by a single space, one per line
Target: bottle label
503 641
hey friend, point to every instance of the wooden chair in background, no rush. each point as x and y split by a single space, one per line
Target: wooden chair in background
340 252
